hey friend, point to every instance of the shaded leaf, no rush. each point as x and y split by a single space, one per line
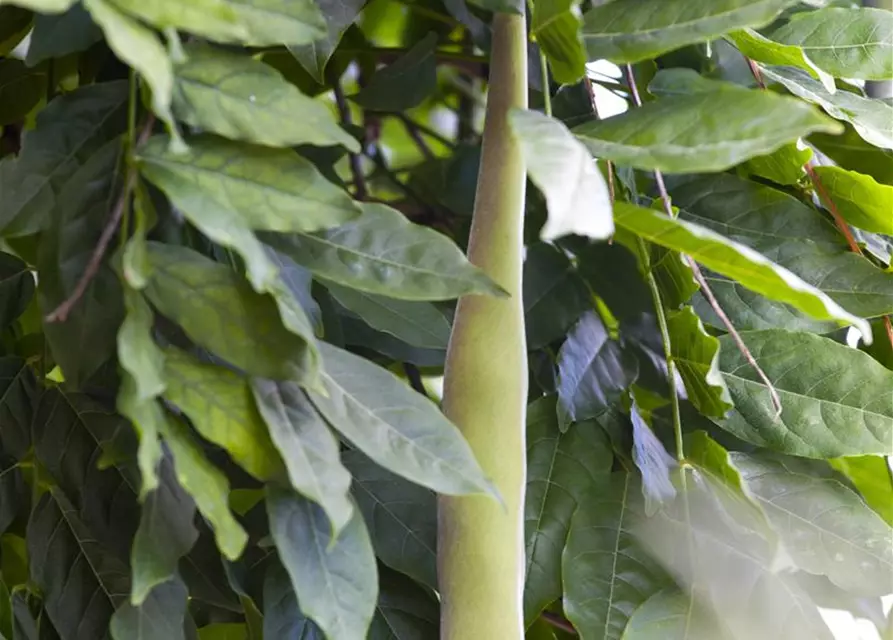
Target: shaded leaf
847 43
269 189
561 468
872 119
673 614
593 371
606 574
696 354
653 462
405 611
682 81
405 83
576 194
146 416
21 89
554 295
835 400
826 527
384 253
57 35
850 150
395 426
401 518
735 261
756 46
13 495
244 99
160 617
220 405
336 582
282 617
783 166
269 22
859 199
661 134
309 449
556 26
871 476
631 32
338 16
68 132
214 19
15 23
16 288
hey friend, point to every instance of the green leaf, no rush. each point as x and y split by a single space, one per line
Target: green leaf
673 614
140 48
207 485
145 415
605 573
336 582
555 296
15 23
309 449
405 83
68 132
224 631
593 371
680 81
576 193
417 323
735 261
288 22
137 352
282 617
661 135
556 26
847 43
872 119
632 32
214 19
395 426
42 6
384 253
338 16
17 399
696 354
758 47
161 617
59 35
871 476
244 99
825 525
835 400
269 189
220 405
561 468
16 288
405 611
784 166
166 534
860 199
218 310
707 454
21 89
851 151
401 518
86 339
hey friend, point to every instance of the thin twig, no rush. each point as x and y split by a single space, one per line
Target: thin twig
415 378
699 277
425 129
558 622
417 138
60 313
356 167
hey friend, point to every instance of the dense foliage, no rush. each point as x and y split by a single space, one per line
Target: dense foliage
233 236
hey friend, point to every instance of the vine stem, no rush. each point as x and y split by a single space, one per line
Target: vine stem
60 313
547 92
699 276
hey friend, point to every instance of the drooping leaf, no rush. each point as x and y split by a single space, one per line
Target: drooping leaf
859 199
244 99
382 252
653 462
593 371
554 295
207 485
847 43
405 83
336 582
415 322
57 35
405 611
631 32
561 468
401 518
673 614
835 400
16 288
137 352
756 46
696 354
309 449
68 132
215 19
735 261
338 16
86 338
21 89
783 166
395 426
850 150
269 189
298 281
219 310
872 119
146 416
220 405
871 476
605 573
160 617
556 26
576 192
282 617
826 527
661 134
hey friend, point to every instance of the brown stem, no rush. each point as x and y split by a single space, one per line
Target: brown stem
558 622
60 313
356 167
699 277
413 130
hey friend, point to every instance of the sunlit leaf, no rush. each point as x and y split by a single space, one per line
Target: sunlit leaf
859 199
213 19
756 46
872 477
556 26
